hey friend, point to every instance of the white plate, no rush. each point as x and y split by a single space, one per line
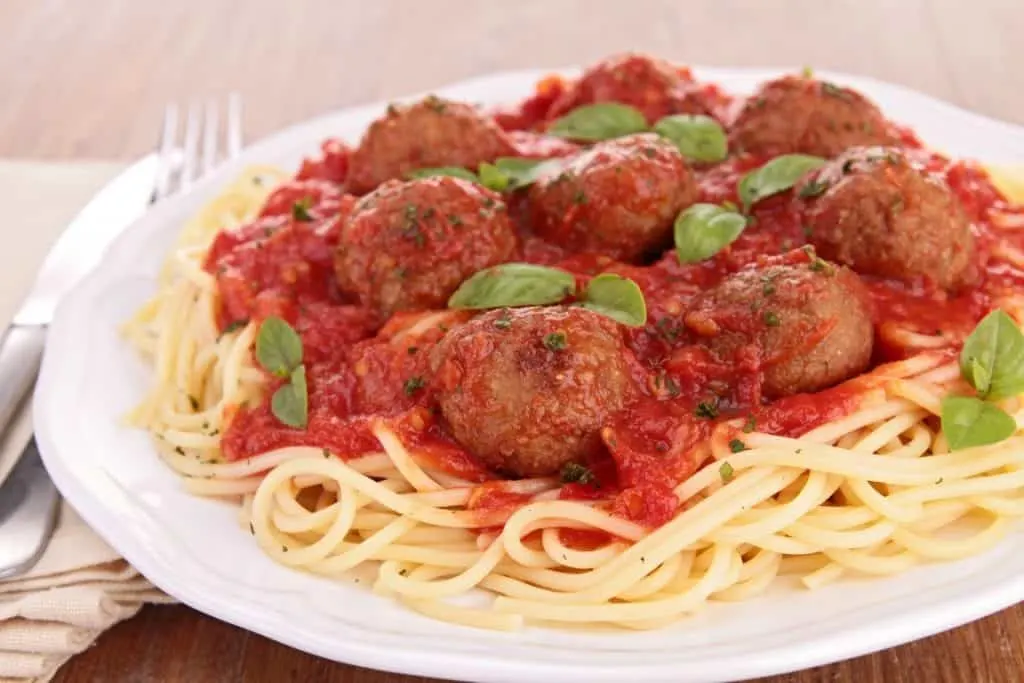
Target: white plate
193 548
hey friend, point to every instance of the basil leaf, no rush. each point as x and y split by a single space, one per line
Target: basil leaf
513 284
522 172
453 171
601 121
778 175
696 137
616 297
278 347
290 403
969 422
702 230
992 360
492 177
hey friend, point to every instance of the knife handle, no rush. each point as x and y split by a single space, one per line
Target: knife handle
21 352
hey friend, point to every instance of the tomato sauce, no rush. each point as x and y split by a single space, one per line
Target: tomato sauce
282 264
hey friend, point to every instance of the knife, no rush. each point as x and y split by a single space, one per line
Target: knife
77 250
28 499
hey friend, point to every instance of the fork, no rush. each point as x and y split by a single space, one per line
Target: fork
28 499
199 153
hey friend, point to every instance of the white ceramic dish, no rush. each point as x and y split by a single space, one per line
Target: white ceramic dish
193 548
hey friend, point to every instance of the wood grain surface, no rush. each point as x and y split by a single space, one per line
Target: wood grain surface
89 80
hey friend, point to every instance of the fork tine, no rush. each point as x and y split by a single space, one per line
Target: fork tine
234 125
209 160
190 162
165 173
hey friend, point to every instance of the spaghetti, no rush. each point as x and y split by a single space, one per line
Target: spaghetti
858 479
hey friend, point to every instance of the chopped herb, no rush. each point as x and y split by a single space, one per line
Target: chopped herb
488 202
504 321
234 325
555 341
725 471
820 266
574 473
326 453
939 480
179 450
284 549
194 402
436 104
814 188
661 447
833 90
847 166
672 386
580 197
413 384
454 220
668 329
807 72
649 152
252 529
750 425
300 209
807 231
707 410
768 288
866 127
412 231
401 272
392 109
896 205
771 319
412 350
403 572
737 446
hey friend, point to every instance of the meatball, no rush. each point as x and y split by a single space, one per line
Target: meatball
618 198
527 390
434 132
793 114
875 211
409 245
809 323
651 85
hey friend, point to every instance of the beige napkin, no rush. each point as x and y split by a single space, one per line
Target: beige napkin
81 586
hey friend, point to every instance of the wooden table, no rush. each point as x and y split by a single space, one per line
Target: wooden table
89 79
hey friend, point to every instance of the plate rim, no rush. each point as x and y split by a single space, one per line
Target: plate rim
906 627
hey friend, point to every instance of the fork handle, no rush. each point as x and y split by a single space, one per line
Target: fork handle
21 352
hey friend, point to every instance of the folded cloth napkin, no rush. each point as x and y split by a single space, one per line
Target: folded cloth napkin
81 586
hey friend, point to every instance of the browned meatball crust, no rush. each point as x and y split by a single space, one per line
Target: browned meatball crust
527 390
654 86
430 133
804 115
409 245
875 211
811 323
618 198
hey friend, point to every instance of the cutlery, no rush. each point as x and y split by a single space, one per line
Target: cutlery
28 499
